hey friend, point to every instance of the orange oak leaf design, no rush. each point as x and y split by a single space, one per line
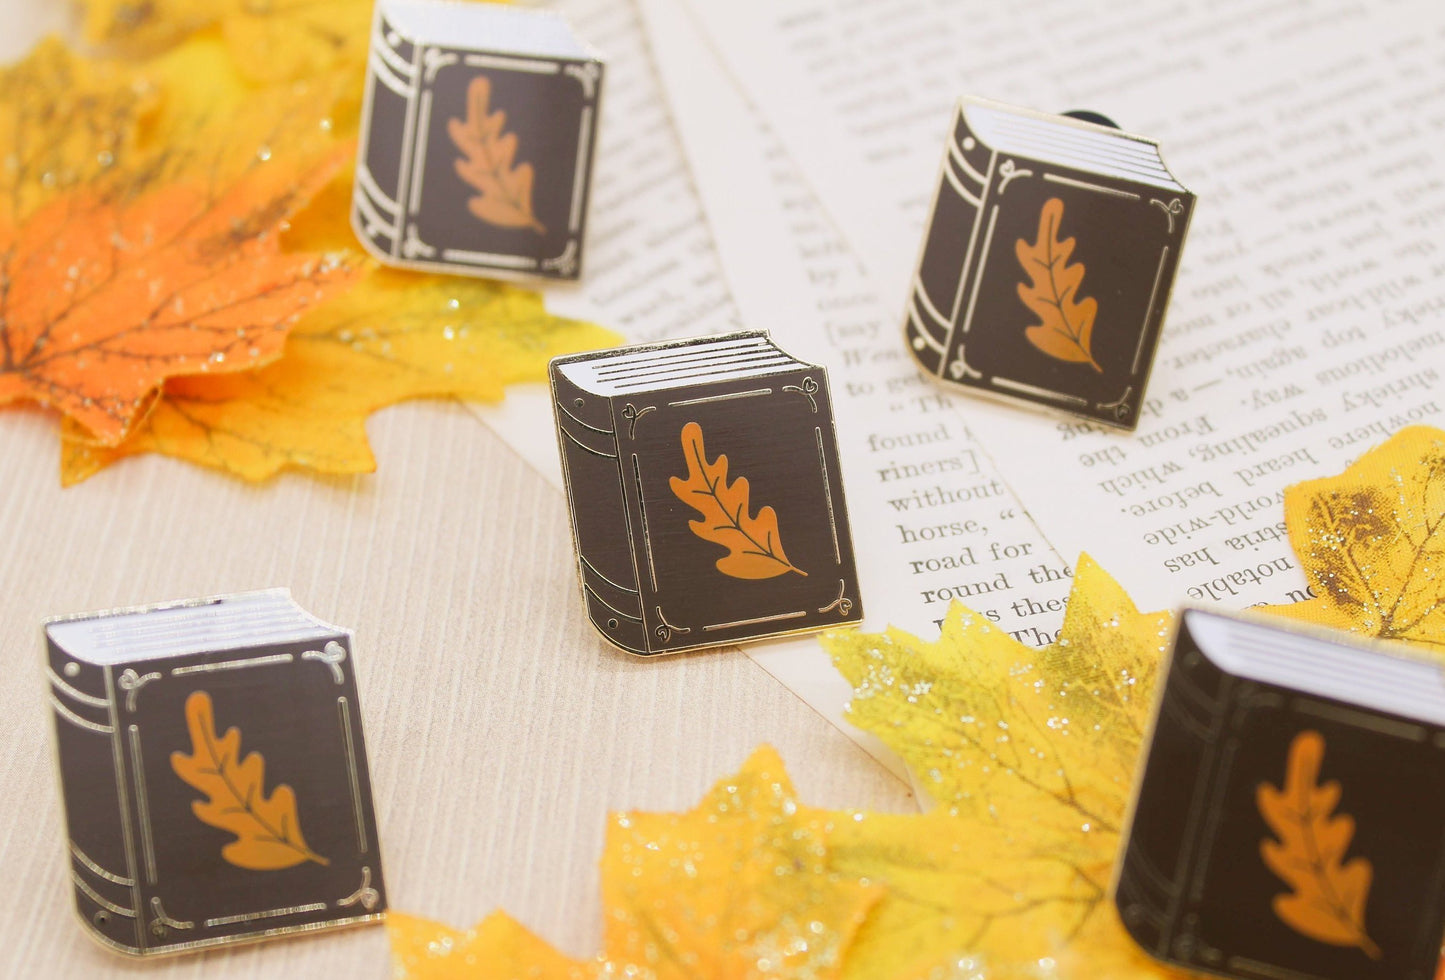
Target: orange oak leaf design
268 833
1066 323
104 296
505 197
1329 897
754 548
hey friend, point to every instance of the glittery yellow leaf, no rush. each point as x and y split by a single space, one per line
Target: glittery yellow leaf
1030 755
739 888
272 40
1372 542
144 27
761 898
498 947
395 336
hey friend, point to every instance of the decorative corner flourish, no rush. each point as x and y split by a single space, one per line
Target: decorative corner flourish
332 655
1119 409
843 604
566 263
632 413
162 923
1009 170
808 388
131 682
434 59
588 75
1171 210
665 631
413 247
365 896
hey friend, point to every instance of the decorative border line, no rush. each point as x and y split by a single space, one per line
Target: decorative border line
142 803
97 870
278 658
344 711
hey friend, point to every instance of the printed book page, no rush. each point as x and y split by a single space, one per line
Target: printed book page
1308 320
653 274
932 518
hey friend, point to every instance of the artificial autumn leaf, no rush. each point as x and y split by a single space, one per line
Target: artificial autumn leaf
394 336
1330 894
67 122
268 834
505 197
425 950
1066 323
144 27
1030 755
738 888
754 548
167 263
1372 542
271 41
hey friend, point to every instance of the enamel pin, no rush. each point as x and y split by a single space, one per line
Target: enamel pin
1047 262
706 497
477 138
1286 819
213 771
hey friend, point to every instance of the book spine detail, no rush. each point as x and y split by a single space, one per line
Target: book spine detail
941 291
378 200
594 475
1153 881
103 867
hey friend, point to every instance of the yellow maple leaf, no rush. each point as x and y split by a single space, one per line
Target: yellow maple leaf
139 28
68 121
394 336
1030 755
1372 542
497 947
738 888
271 41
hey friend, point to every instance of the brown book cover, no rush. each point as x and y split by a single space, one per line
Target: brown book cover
705 491
478 132
1047 262
213 773
1287 818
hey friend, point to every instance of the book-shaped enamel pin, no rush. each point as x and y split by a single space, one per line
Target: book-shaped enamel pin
477 135
1287 819
705 492
1047 262
213 773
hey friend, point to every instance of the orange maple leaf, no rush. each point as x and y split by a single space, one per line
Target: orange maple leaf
1066 323
268 833
102 298
754 548
152 253
506 190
